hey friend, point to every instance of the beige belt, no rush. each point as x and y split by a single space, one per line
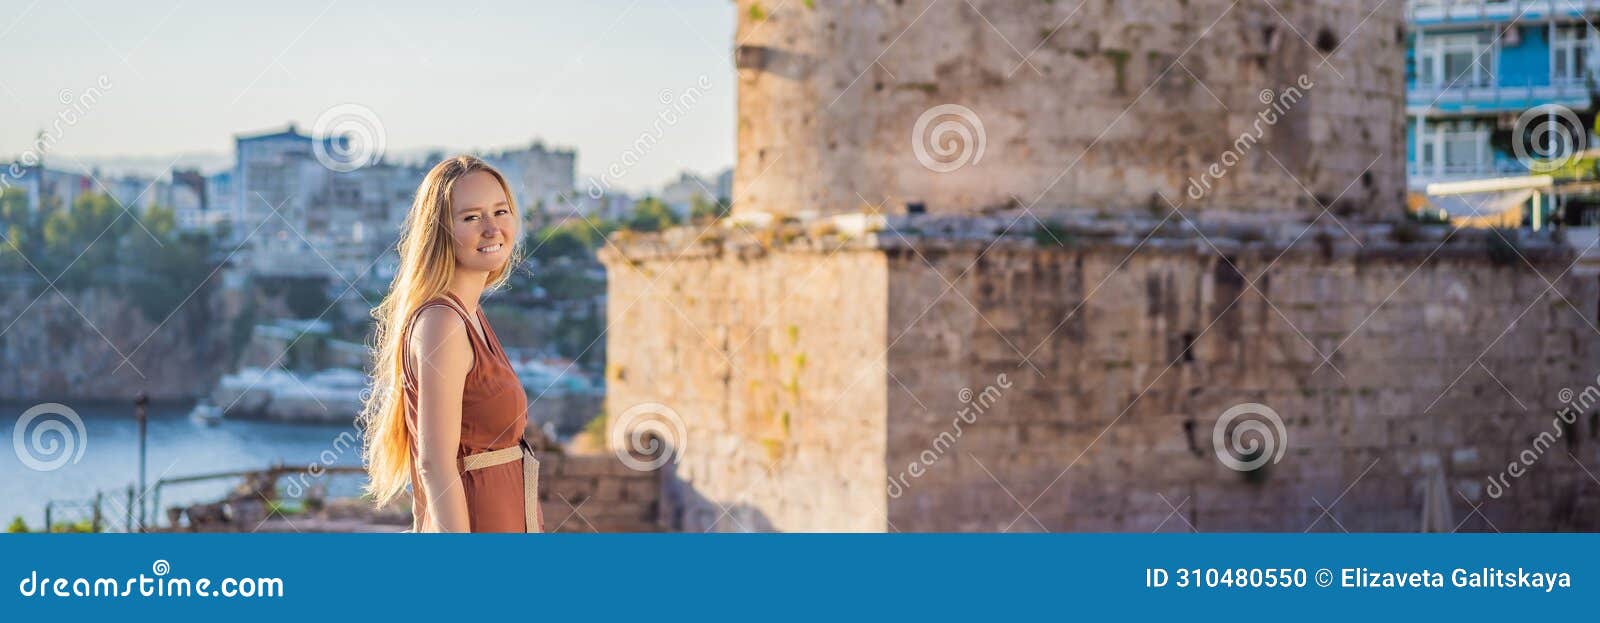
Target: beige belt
532 517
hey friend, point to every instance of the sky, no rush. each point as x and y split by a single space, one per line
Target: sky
185 77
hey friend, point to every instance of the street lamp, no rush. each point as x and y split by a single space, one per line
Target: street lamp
141 404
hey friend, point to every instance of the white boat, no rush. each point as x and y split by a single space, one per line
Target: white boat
205 413
250 390
331 395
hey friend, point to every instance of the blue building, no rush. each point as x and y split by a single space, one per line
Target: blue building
1475 67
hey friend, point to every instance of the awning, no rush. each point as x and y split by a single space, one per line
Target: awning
1479 205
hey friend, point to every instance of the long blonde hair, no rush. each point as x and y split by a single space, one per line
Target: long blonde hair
427 261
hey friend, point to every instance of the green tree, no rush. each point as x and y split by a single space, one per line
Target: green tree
702 209
650 214
17 224
96 243
575 239
575 335
81 242
567 283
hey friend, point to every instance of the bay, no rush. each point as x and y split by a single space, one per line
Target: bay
177 446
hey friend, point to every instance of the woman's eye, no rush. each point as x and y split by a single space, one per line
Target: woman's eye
502 212
470 218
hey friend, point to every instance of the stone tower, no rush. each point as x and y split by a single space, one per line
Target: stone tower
1066 335
1093 106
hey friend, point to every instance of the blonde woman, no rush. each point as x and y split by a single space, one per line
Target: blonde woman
447 412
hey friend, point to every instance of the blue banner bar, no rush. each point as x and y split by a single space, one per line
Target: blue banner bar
759 577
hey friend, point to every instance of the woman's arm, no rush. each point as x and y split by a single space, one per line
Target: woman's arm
444 355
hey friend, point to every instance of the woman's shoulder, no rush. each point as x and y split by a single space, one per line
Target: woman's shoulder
436 305
438 321
439 336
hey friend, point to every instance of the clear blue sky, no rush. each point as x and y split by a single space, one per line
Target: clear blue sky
187 76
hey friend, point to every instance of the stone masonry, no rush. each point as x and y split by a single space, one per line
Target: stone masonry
813 373
1053 345
1121 363
1139 97
597 493
768 359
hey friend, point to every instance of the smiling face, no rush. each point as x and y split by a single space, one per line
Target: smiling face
482 224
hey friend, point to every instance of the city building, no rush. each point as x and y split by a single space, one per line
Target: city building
680 194
598 202
45 186
1474 67
135 192
299 218
537 174
186 195
221 199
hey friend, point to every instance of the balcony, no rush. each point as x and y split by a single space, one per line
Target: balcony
1489 99
1466 12
1419 175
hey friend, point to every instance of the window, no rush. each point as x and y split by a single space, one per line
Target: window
1455 148
1570 54
1456 60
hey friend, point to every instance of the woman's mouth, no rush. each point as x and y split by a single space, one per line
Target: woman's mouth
493 248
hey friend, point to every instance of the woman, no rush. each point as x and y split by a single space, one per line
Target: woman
447 413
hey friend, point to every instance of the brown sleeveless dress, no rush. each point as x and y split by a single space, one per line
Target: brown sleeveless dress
493 416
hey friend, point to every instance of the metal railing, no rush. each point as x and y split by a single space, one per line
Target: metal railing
1509 97
1495 10
102 512
262 482
95 514
1423 173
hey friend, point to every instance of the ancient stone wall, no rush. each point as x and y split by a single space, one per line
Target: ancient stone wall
773 364
1092 106
597 493
1039 351
1446 357
1121 346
